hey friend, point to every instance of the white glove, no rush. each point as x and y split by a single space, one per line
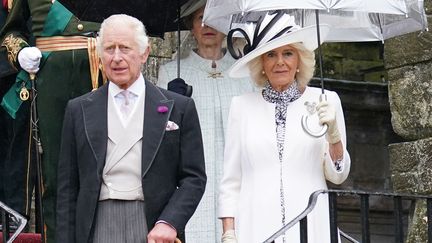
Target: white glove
327 115
229 237
29 59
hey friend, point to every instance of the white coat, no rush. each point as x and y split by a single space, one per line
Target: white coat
250 186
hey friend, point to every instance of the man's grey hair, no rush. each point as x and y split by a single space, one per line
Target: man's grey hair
122 21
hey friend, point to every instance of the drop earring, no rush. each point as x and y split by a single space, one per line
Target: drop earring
262 72
298 70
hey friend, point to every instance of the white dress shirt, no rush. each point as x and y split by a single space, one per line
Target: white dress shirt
136 90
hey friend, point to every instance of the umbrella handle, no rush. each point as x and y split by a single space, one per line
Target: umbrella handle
318 134
304 122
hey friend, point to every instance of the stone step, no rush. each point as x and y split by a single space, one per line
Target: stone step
25 238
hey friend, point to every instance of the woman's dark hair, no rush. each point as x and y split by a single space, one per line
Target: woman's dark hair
188 21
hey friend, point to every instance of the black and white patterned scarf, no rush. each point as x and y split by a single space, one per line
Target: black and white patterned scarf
281 100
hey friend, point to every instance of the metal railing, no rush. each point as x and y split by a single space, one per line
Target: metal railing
335 233
7 214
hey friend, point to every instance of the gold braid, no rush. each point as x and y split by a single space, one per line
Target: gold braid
13 45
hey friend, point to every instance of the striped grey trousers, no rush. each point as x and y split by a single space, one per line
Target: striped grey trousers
120 221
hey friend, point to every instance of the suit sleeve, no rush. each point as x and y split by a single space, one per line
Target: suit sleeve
191 175
331 174
67 182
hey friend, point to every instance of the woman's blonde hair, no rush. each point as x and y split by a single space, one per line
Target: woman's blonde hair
306 66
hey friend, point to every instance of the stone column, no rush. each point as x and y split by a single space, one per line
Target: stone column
408 60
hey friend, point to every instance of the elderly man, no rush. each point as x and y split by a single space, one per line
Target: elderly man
131 163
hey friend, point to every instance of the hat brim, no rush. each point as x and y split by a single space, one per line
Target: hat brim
191 6
306 35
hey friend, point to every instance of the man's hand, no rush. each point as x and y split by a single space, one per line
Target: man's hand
162 233
327 115
229 237
29 59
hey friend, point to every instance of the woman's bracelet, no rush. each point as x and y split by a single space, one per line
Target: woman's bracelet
338 164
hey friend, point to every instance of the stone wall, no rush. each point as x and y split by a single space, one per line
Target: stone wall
408 61
165 50
362 61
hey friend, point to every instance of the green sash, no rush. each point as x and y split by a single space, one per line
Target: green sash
57 19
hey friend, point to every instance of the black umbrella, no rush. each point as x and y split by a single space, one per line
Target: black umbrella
159 16
178 84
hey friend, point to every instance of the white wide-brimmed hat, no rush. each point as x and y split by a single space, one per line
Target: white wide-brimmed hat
282 32
191 6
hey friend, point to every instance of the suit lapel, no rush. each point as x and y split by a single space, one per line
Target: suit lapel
95 122
154 124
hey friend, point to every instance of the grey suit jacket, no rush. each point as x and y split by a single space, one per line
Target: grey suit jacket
173 173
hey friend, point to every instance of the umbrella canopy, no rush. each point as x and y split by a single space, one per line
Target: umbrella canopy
221 8
350 20
159 16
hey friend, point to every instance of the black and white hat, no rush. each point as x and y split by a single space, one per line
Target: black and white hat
274 30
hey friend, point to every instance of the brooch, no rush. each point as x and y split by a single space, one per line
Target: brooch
310 107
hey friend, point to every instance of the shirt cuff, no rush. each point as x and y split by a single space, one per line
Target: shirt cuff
165 222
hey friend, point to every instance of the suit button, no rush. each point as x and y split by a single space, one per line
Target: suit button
80 27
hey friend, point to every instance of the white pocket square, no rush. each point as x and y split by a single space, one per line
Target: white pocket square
171 126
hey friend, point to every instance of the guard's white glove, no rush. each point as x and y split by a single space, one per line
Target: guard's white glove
229 237
327 115
29 59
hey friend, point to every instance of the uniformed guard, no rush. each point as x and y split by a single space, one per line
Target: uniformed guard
16 181
65 64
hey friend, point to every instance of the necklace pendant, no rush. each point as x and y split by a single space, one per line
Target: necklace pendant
215 74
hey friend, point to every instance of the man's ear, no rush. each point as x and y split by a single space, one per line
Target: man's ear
145 55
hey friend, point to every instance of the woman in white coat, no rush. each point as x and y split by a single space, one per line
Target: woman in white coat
205 69
271 166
